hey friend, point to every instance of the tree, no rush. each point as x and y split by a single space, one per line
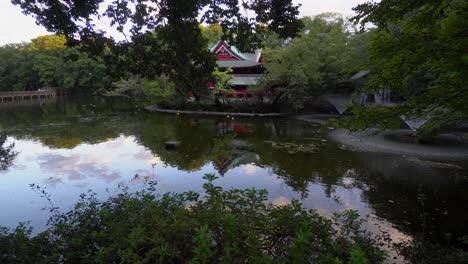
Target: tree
183 55
31 66
311 64
419 52
212 33
47 42
221 82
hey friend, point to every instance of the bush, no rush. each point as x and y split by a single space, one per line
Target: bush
233 226
160 91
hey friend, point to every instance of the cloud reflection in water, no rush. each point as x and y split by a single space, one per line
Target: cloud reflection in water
77 167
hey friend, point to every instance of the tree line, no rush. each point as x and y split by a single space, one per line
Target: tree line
47 62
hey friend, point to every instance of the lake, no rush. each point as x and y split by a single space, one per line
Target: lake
72 146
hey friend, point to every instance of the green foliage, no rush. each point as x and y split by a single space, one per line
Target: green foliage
47 64
19 246
440 121
212 33
133 88
228 226
168 39
47 42
364 117
315 62
358 257
419 52
160 91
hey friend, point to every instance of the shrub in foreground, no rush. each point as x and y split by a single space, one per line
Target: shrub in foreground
233 226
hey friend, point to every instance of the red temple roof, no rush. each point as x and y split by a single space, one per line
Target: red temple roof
229 57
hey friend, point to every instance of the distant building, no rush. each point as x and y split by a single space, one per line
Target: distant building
247 67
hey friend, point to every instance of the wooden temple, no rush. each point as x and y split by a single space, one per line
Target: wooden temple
247 68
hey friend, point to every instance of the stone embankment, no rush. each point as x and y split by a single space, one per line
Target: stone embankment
210 113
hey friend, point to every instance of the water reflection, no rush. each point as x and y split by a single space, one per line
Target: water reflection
72 147
7 152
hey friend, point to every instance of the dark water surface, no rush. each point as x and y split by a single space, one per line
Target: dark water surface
70 147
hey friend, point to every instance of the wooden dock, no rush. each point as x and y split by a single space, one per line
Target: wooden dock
22 95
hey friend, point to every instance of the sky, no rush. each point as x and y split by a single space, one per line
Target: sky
16 27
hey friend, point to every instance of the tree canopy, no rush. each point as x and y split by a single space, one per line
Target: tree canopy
46 62
419 52
180 48
315 62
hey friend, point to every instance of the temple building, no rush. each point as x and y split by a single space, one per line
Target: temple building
247 67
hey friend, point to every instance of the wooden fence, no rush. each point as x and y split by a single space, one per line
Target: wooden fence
22 95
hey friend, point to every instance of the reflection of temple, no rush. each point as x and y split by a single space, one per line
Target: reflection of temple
227 127
247 67
237 155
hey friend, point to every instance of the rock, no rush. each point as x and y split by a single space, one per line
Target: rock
172 144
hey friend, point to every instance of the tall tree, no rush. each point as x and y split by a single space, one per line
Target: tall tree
47 42
419 52
212 33
182 49
311 64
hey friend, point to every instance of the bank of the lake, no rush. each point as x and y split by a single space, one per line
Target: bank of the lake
210 113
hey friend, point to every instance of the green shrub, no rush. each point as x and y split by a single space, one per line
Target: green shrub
160 91
222 226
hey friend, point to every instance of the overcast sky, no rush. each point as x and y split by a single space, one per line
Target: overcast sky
16 27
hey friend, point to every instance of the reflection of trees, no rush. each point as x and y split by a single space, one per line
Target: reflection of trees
195 135
67 124
406 195
325 166
202 141
299 170
419 200
207 140
222 153
7 154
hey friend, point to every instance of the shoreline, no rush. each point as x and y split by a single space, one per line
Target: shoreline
211 113
371 140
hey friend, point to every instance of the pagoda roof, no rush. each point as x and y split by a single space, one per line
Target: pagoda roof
237 64
233 58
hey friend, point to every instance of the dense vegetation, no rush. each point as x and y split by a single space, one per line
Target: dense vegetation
320 60
418 51
47 62
164 37
233 226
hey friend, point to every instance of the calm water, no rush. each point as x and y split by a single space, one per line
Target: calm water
71 147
